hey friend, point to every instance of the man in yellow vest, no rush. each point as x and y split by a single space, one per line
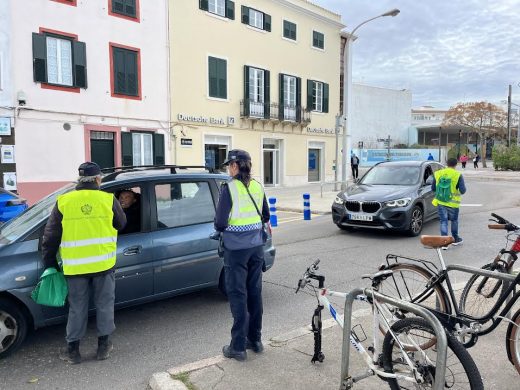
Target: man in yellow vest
448 187
240 220
82 232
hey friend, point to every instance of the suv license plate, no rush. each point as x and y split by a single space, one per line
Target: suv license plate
360 217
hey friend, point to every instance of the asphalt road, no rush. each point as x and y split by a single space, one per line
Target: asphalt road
176 331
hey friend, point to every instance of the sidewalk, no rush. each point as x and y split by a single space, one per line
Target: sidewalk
291 198
286 364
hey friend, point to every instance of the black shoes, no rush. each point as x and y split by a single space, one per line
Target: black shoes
71 354
104 348
256 346
232 354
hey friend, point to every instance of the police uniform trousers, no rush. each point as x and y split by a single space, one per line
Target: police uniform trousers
243 270
103 287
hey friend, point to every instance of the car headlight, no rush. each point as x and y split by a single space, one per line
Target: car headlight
338 200
398 202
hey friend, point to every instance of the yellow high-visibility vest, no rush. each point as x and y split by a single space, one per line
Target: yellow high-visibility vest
89 241
455 194
243 216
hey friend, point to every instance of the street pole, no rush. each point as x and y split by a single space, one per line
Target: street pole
336 130
347 98
509 117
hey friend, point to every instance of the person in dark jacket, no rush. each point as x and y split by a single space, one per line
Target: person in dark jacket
240 220
354 162
82 232
132 208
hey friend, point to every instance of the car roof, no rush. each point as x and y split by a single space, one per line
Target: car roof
405 163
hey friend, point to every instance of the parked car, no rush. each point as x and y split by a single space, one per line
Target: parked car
10 205
393 195
172 253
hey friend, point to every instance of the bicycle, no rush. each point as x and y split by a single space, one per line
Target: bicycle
400 360
424 285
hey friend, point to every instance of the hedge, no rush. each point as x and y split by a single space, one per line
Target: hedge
505 158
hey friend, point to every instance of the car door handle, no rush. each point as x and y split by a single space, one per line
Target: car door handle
133 250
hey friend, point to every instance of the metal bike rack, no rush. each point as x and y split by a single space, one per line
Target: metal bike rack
442 342
481 272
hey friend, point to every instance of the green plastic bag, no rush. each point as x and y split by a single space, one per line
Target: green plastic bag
51 290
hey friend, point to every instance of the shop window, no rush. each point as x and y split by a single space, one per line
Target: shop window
142 148
317 96
59 60
318 40
125 72
217 77
255 18
289 30
224 8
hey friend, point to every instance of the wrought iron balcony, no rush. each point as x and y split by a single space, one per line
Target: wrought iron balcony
273 112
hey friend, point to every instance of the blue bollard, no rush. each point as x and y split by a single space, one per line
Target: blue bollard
272 210
306 207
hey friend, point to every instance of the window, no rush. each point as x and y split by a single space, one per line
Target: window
142 148
68 2
290 100
317 96
257 92
255 18
318 40
129 9
59 60
125 72
289 30
217 77
224 8
183 204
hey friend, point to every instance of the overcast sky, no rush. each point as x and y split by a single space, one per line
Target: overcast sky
445 51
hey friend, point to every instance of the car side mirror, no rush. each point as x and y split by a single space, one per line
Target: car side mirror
429 181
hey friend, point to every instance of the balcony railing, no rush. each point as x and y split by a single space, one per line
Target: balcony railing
273 112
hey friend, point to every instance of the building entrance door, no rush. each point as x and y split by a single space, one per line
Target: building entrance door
102 148
314 165
215 151
271 148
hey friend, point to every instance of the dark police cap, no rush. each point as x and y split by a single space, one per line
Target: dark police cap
89 169
237 155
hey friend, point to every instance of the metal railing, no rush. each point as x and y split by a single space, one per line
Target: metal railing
273 112
442 342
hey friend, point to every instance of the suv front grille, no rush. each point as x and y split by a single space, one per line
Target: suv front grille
366 207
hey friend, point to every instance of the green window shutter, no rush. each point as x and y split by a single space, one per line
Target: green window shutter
119 71
131 72
245 14
118 6
246 90
286 29
267 94
325 98
222 78
230 10
281 102
203 5
212 76
298 99
267 22
310 95
217 77
318 40
293 31
126 149
79 54
158 149
130 8
39 47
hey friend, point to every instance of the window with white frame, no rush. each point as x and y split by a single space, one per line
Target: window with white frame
217 7
256 18
256 85
142 148
289 91
317 94
59 61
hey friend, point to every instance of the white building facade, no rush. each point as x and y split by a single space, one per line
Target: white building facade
83 81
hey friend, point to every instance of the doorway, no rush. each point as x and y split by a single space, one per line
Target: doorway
314 171
215 151
102 148
271 156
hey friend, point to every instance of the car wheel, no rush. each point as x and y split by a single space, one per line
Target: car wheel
416 221
13 327
346 228
222 282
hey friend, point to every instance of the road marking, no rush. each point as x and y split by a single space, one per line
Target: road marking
285 220
471 204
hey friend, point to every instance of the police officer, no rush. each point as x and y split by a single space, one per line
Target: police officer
241 222
82 231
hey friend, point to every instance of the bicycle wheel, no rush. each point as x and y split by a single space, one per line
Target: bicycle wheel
461 370
481 293
513 339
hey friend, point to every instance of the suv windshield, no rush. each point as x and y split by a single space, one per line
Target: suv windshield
392 175
31 217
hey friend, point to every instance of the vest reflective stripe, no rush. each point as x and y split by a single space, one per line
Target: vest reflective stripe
455 194
88 241
243 211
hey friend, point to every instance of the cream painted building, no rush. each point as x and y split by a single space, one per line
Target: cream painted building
257 75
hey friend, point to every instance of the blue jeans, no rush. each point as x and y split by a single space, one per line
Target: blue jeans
449 214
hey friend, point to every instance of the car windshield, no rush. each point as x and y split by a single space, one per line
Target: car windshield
392 175
18 226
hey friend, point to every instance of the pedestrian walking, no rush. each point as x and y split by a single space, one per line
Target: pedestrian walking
463 161
448 187
476 159
82 231
430 157
239 219
354 163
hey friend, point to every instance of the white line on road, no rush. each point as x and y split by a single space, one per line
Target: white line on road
471 205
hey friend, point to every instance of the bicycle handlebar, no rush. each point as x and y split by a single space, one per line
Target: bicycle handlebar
496 226
310 274
502 223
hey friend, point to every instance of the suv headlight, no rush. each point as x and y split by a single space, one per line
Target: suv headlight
338 200
398 202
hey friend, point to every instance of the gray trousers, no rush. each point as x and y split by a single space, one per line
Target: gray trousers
104 296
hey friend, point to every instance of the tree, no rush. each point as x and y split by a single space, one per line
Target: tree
482 117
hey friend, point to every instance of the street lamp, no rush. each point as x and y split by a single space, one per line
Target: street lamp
347 95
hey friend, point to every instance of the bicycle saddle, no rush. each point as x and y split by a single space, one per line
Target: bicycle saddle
378 276
436 241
